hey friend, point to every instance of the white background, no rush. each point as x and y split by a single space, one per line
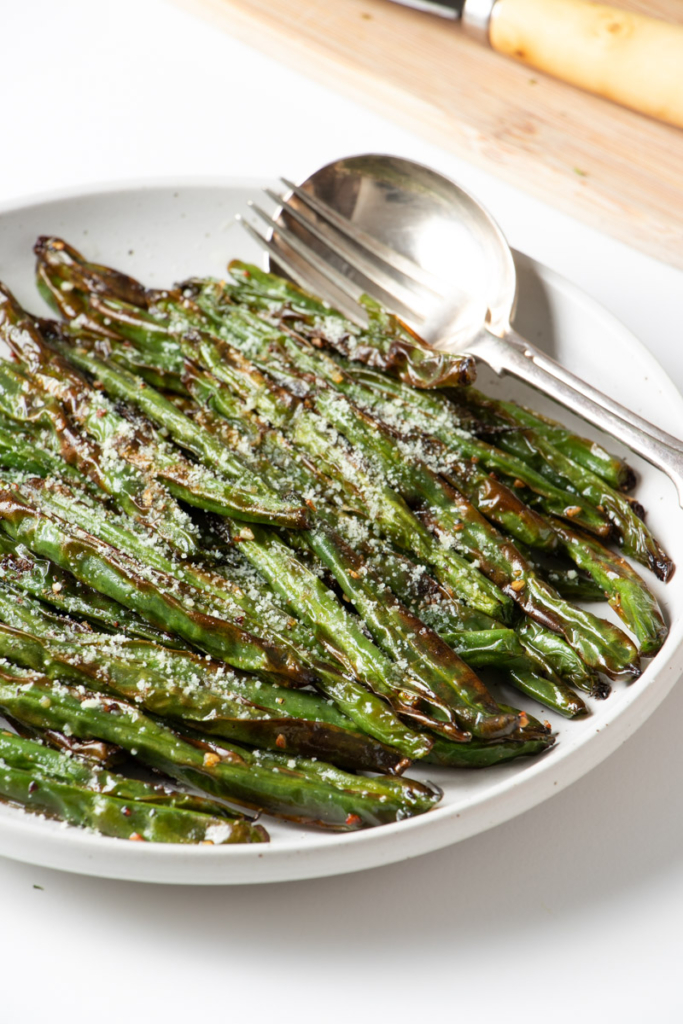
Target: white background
574 911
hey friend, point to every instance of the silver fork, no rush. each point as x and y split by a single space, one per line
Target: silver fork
388 228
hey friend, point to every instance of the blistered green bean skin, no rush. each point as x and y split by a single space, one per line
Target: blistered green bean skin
102 567
51 783
293 788
180 685
621 585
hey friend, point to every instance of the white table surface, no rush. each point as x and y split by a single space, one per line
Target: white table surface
572 911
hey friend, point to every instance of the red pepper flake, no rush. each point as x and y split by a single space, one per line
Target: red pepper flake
136 837
310 504
572 511
101 413
353 820
519 483
281 741
126 812
32 786
353 574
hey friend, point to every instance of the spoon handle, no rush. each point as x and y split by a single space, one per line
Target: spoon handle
513 355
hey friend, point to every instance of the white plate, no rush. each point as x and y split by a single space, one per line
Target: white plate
163 232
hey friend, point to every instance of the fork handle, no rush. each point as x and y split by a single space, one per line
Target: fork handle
513 355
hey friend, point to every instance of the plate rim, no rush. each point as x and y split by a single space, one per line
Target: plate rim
78 851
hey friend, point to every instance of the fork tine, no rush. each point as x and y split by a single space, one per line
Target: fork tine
394 259
350 252
339 280
309 279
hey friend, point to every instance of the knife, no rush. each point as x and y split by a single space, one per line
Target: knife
632 59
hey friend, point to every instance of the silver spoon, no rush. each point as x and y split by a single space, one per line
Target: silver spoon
430 252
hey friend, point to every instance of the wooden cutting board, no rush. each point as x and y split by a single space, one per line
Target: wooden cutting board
619 171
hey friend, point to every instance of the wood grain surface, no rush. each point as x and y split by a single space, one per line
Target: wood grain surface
614 169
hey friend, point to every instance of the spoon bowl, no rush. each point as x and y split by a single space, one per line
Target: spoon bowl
433 222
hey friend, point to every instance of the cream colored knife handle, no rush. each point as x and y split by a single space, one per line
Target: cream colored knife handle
629 58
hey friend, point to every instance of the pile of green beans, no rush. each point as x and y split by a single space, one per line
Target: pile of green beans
276 558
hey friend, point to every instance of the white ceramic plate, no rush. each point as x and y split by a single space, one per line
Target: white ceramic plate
164 232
